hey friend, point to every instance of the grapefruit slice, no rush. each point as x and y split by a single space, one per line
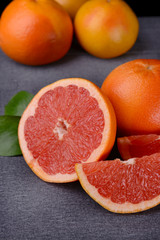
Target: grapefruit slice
123 186
138 145
67 122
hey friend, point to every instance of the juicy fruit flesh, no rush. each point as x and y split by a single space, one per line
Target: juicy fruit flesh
140 145
66 128
133 181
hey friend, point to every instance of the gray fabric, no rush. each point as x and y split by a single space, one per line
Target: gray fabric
32 209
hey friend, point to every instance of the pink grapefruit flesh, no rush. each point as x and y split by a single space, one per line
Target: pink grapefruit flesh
67 122
138 145
123 186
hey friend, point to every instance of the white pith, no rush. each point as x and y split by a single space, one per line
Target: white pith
129 161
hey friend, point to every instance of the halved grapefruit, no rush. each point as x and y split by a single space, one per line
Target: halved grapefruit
138 145
67 122
123 186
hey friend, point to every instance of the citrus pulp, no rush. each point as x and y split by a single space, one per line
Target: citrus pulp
138 145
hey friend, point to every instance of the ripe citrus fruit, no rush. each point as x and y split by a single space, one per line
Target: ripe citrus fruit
71 6
123 186
138 145
106 28
134 91
67 122
35 32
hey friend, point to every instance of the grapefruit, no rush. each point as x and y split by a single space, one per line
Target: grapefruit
67 122
138 145
106 28
71 6
123 186
134 91
35 32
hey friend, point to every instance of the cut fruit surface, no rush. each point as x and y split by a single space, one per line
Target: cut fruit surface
123 186
67 122
138 145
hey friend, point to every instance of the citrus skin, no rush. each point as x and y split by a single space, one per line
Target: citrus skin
106 29
134 91
71 6
35 32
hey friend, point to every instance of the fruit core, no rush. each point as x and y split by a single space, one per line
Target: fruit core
61 128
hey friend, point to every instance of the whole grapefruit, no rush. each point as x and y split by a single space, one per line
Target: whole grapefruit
106 28
134 91
71 6
35 32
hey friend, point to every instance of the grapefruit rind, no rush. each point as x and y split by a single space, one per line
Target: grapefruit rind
107 203
101 152
57 178
133 89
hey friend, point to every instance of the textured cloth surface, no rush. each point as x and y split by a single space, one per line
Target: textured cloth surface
32 209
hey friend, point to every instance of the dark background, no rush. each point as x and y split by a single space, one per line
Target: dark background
140 7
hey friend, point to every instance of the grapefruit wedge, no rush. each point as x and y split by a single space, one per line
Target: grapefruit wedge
138 145
123 186
67 122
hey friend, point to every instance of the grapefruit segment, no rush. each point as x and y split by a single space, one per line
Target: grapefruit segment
138 145
67 122
123 186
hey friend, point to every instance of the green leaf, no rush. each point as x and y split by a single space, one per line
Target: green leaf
9 145
18 103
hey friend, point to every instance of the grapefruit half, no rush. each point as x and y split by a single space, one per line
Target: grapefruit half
123 186
138 145
67 122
